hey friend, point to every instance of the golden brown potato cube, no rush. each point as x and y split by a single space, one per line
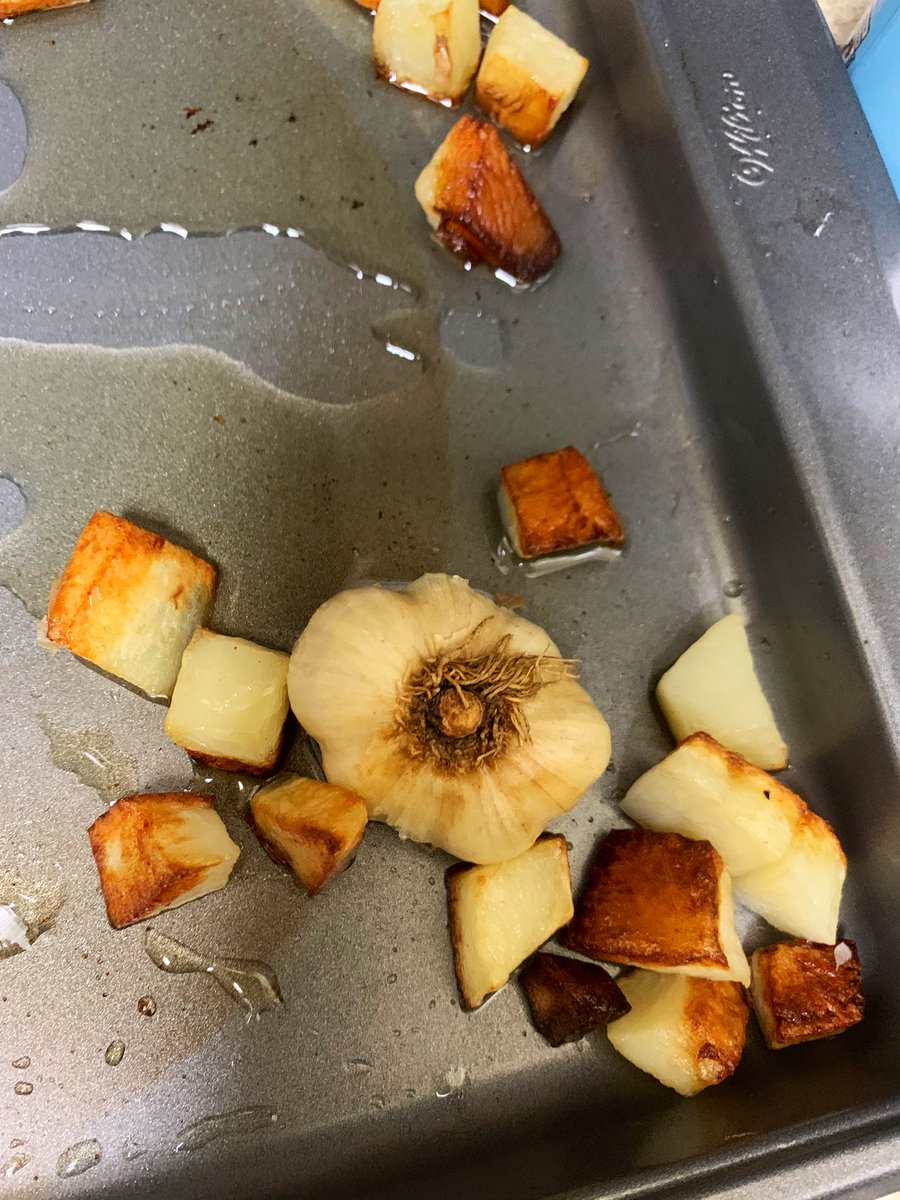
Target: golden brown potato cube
430 47
661 901
129 602
494 8
805 990
480 206
501 913
688 1033
314 828
155 852
230 703
528 77
556 502
15 8
371 5
569 998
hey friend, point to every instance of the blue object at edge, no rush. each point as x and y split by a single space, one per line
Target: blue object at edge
875 73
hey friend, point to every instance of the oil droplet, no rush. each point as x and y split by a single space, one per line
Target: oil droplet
392 978
146 1006
23 1088
131 1151
93 757
28 908
14 1163
452 1082
733 588
357 1066
21 1064
79 1158
456 1077
378 1101
247 981
115 1052
210 1129
15 1143
12 506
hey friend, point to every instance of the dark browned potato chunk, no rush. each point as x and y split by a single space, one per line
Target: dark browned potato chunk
478 203
569 998
806 990
556 502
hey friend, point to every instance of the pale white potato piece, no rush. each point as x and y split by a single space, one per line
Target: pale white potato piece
431 47
687 1032
500 914
801 891
159 851
230 703
129 602
713 689
528 77
702 790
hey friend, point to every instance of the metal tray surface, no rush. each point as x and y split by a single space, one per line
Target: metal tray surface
720 337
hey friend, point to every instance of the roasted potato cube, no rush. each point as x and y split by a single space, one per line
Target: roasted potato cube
494 8
314 828
371 5
702 790
230 703
805 990
528 77
688 1033
430 47
569 998
129 602
499 914
156 852
661 901
15 8
713 689
801 891
480 206
556 502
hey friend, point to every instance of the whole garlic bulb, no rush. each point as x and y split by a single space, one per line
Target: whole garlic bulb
455 719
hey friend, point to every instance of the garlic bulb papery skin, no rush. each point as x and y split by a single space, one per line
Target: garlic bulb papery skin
456 720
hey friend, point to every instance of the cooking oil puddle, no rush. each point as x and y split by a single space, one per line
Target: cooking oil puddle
248 982
14 1163
509 563
408 335
228 787
13 505
79 1158
93 757
240 1123
28 908
240 123
277 488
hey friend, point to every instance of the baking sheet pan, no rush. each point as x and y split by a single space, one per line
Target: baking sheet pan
700 340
